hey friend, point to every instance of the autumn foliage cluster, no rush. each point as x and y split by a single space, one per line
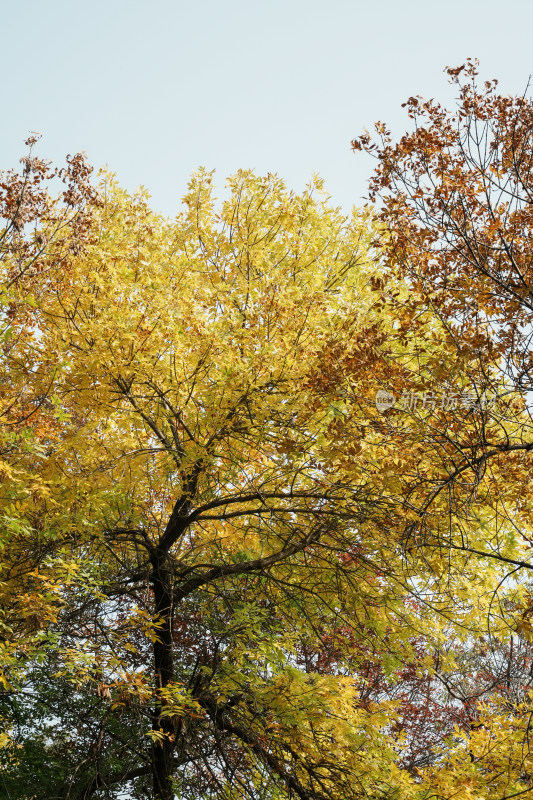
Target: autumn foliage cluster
226 573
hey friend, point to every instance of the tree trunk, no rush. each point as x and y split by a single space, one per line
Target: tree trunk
162 751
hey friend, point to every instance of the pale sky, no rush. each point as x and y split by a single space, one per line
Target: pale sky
156 89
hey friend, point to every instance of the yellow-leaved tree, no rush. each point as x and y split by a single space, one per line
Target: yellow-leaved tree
218 533
195 508
30 419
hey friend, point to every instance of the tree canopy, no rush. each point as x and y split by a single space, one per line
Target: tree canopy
226 571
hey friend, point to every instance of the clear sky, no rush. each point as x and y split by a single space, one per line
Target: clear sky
156 88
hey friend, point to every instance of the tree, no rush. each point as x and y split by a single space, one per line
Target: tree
197 504
456 202
33 224
454 199
249 591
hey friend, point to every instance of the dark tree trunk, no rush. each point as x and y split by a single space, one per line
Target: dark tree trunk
162 751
